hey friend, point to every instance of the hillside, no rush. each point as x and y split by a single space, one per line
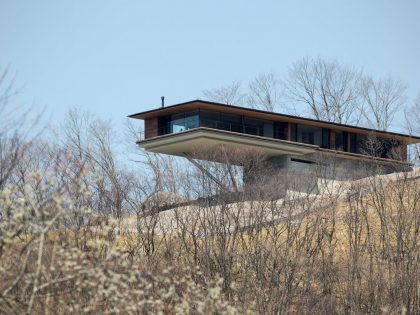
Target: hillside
354 248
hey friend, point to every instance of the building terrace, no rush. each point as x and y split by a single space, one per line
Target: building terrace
178 128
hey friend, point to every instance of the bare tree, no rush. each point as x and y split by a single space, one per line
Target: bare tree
412 119
17 126
230 94
264 92
381 99
329 90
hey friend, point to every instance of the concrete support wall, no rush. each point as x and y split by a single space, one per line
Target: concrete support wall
334 167
304 173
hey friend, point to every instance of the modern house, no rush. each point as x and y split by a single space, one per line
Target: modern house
288 142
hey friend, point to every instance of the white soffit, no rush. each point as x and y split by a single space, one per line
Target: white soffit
193 140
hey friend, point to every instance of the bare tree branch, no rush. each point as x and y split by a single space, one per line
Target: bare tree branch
264 92
329 91
230 94
381 99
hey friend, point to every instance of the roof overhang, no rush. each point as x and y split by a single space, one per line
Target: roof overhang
194 140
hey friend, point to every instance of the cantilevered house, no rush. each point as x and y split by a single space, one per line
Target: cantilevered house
289 142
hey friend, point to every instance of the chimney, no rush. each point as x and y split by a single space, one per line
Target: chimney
163 101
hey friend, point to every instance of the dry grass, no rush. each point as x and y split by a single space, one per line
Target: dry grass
354 255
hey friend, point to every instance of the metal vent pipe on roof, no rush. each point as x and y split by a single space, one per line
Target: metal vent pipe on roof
163 101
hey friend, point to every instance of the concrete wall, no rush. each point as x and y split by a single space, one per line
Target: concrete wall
334 167
303 173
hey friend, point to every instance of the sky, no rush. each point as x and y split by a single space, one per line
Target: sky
115 58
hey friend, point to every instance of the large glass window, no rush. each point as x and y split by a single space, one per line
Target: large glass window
191 120
309 135
268 129
178 122
164 125
222 121
341 141
359 144
294 132
380 147
353 143
254 126
325 138
184 121
280 130
209 119
388 148
231 122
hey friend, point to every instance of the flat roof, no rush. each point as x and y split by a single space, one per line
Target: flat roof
257 113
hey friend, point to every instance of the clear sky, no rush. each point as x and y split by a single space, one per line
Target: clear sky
114 58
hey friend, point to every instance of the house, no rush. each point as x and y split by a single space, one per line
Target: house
289 143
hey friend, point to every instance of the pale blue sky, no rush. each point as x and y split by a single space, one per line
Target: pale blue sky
115 58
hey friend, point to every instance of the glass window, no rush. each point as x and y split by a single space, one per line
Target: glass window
163 125
254 126
385 147
361 141
368 145
325 138
191 120
294 132
177 122
309 135
353 142
232 122
209 119
184 121
268 129
341 141
280 130
360 144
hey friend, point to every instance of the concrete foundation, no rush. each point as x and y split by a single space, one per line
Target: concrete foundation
305 173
